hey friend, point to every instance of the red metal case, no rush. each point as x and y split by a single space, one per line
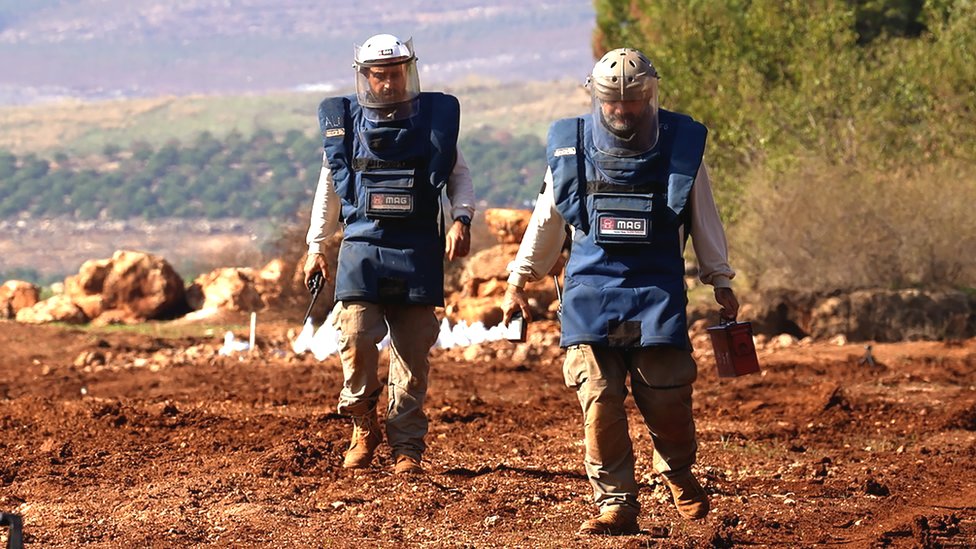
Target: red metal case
735 352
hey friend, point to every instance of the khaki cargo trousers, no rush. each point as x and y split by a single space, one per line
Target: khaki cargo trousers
413 331
660 379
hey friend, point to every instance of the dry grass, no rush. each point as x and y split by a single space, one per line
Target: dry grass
827 227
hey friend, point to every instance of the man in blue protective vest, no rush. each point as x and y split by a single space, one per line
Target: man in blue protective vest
629 182
390 150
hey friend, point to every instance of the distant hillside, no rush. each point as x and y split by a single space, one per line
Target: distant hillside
84 128
140 48
238 157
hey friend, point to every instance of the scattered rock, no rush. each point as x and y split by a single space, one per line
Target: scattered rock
875 488
492 521
90 358
837 399
782 341
839 340
227 288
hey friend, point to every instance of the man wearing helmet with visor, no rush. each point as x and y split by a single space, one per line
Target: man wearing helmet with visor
629 182
624 95
389 152
387 84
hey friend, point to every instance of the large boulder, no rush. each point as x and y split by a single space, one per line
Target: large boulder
228 288
129 287
893 315
55 309
90 279
483 283
486 265
268 282
85 288
92 305
143 285
16 295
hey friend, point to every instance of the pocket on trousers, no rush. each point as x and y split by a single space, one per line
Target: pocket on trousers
350 318
576 368
665 367
336 316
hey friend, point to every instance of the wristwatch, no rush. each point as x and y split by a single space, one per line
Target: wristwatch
465 220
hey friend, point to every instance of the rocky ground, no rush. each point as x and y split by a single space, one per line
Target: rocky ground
147 438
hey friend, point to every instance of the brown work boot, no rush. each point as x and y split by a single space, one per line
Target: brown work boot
365 438
614 522
406 465
689 496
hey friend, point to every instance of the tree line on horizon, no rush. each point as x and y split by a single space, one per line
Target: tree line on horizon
256 177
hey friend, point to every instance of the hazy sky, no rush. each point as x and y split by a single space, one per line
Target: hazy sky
108 48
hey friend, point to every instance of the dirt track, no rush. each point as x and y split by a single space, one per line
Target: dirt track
169 446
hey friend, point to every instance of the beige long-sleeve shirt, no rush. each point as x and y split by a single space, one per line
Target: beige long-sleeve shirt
545 234
326 205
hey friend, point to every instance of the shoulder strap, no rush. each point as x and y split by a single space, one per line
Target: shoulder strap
443 113
688 148
565 150
335 122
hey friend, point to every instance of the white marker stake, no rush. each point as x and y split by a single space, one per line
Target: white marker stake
254 322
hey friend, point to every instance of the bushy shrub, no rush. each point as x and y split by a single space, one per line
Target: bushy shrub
831 123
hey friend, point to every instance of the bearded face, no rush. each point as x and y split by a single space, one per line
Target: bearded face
624 127
623 117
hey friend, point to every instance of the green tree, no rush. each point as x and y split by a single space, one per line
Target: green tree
33 167
111 151
8 164
204 148
863 90
142 151
166 157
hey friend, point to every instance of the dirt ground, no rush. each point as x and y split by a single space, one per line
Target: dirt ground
119 438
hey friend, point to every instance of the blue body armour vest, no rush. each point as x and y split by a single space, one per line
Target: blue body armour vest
389 178
624 284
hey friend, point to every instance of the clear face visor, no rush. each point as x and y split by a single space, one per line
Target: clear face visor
388 91
625 127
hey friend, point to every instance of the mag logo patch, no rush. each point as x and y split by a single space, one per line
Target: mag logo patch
622 226
390 202
564 151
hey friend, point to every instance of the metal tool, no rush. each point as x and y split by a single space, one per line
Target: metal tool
315 284
868 358
559 296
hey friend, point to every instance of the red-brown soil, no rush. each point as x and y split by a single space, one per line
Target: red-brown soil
167 445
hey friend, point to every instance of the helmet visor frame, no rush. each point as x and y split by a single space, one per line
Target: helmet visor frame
387 79
625 124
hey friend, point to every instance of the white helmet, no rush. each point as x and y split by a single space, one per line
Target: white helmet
383 49
624 86
387 83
